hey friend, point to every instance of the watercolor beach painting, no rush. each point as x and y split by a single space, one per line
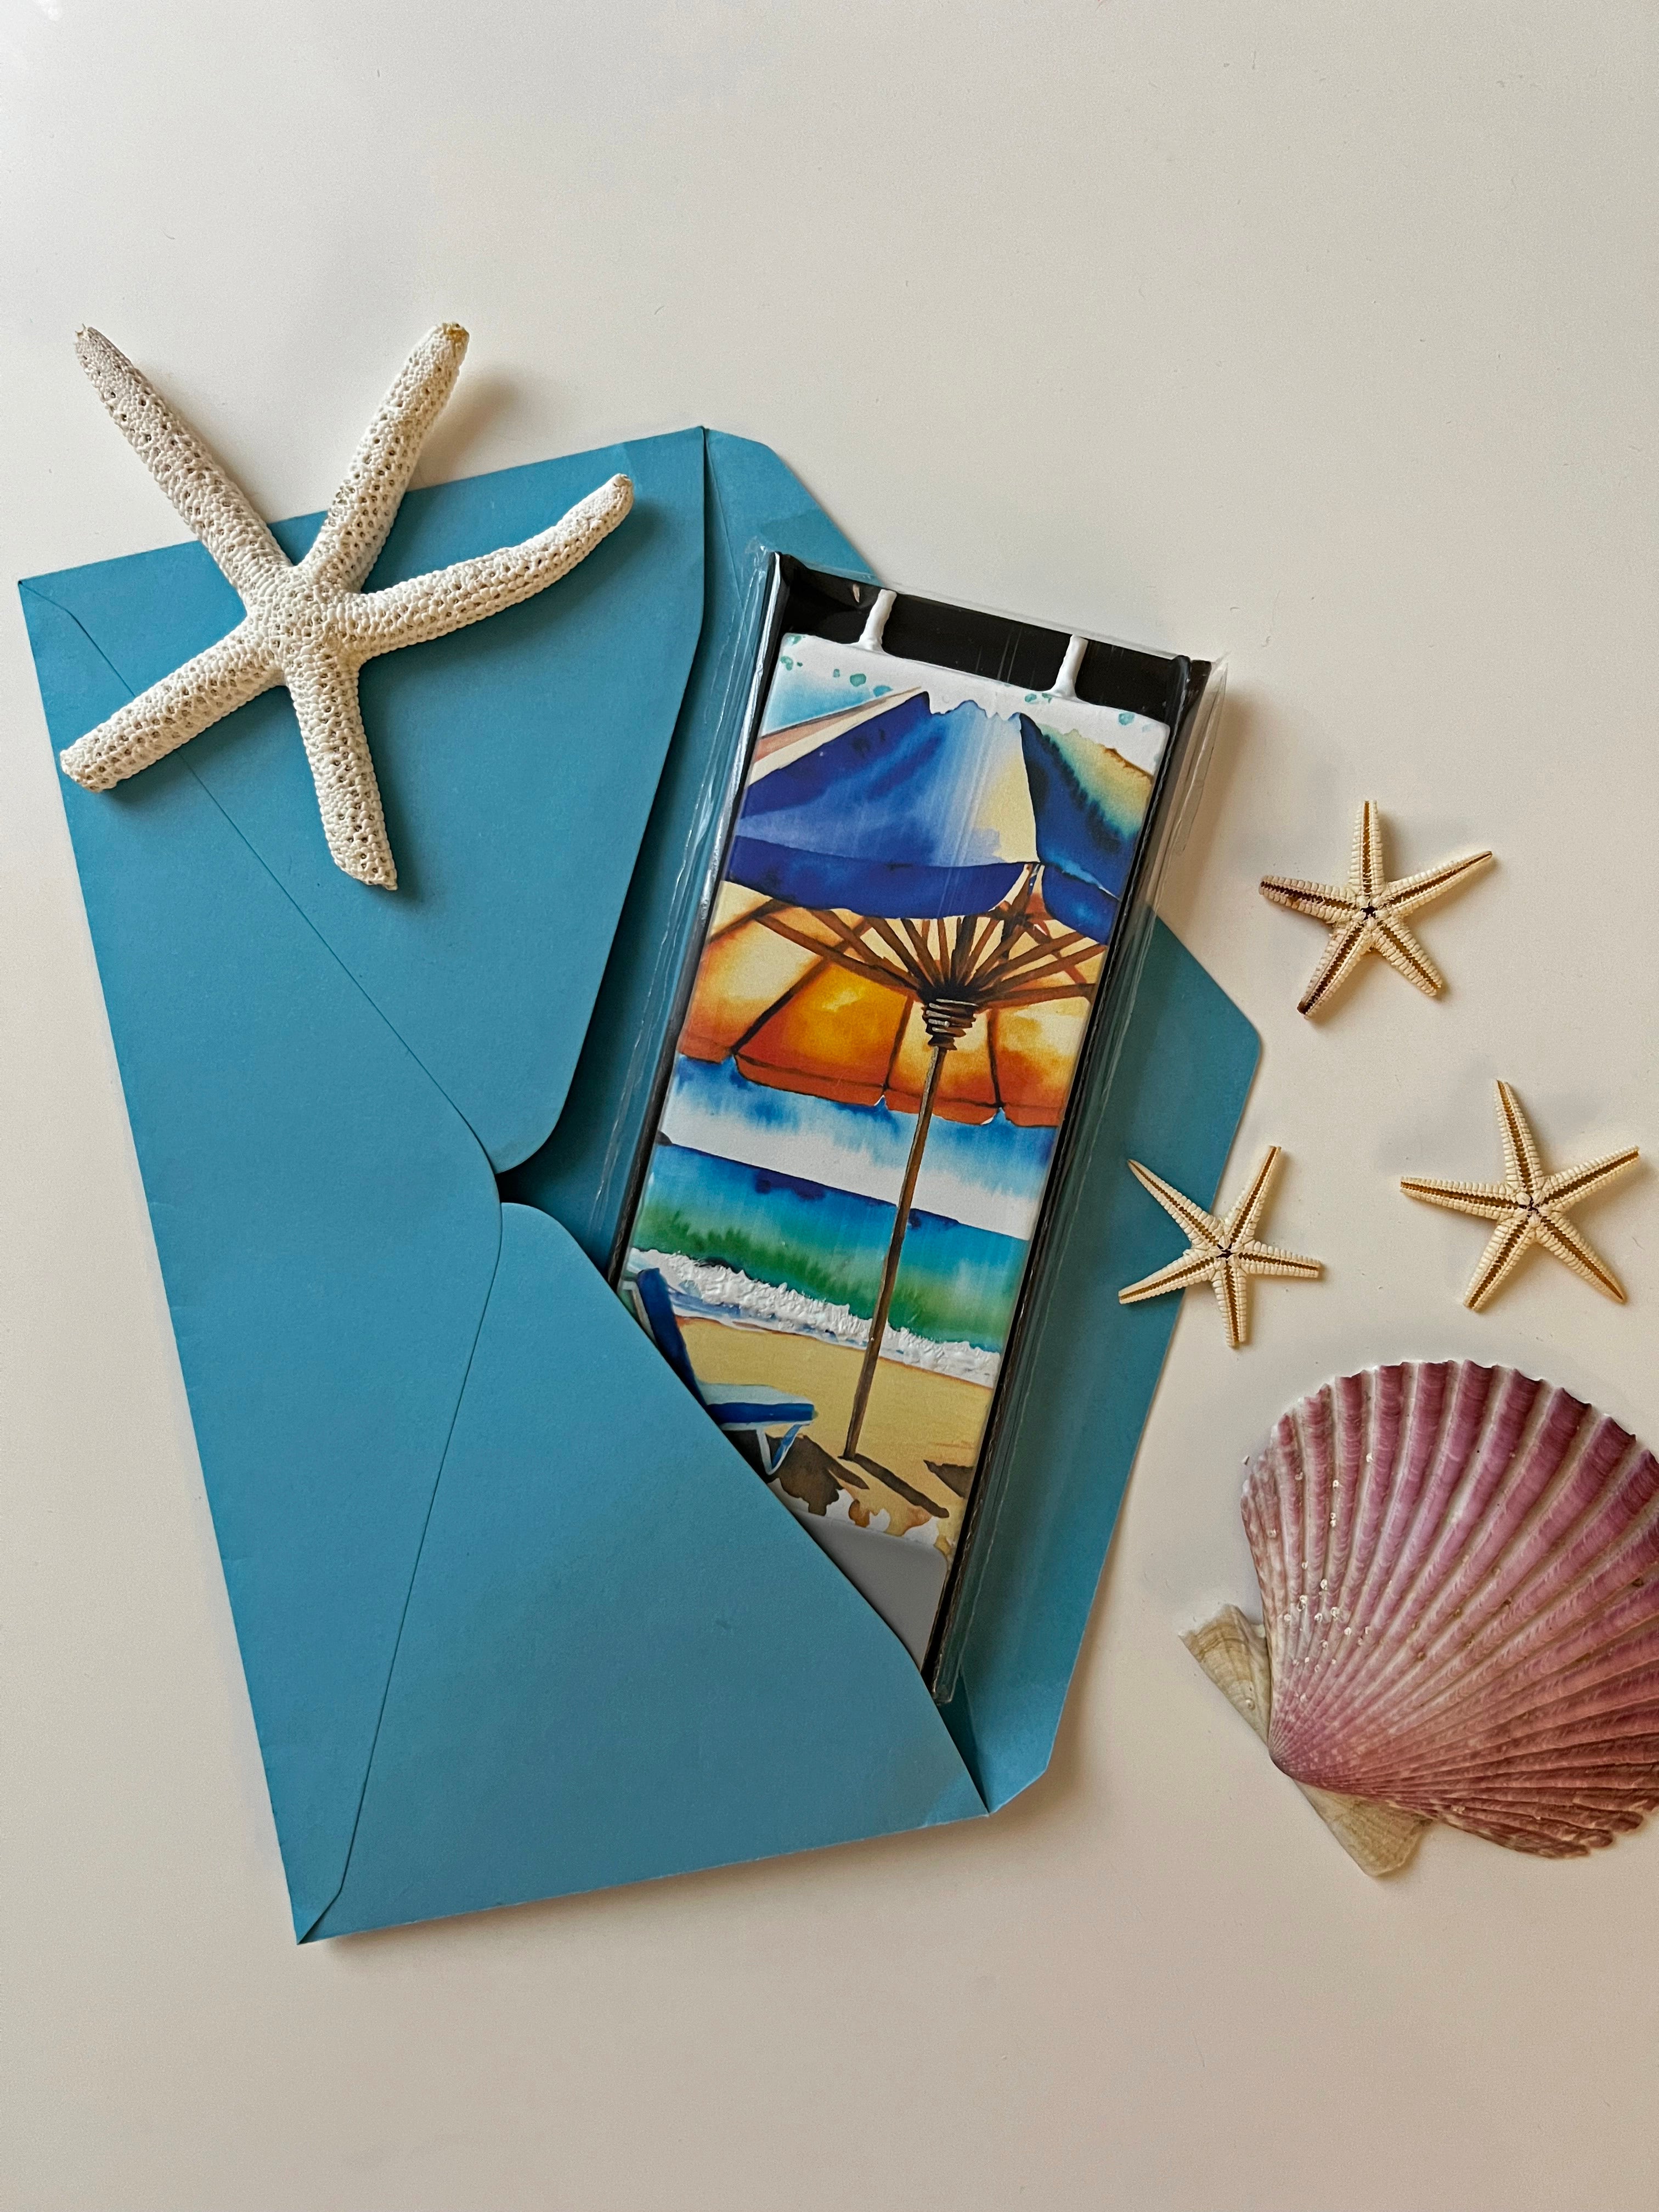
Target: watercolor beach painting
886 1019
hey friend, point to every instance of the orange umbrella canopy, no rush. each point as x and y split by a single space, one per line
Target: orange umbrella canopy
849 1007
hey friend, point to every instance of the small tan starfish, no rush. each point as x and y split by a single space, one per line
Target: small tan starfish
1367 914
308 624
1224 1253
1528 1207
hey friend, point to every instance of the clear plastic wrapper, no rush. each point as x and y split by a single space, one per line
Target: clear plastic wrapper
906 937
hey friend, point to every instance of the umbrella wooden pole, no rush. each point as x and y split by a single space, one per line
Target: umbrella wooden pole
896 1245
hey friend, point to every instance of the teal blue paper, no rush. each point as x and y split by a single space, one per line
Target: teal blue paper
622 1656
514 1619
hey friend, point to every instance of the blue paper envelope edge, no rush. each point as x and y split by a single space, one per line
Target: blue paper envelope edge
516 1620
1178 1093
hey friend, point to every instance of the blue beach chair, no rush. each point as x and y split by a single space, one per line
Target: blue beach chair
749 1409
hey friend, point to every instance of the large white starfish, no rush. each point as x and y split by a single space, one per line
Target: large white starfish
307 624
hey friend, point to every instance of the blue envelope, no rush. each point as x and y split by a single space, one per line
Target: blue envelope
516 1620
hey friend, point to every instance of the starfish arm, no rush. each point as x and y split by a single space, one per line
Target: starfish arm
1370 871
1490 1200
1522 1165
1575 1184
1504 1248
203 493
1403 953
431 606
1432 883
1573 1249
1268 1260
1240 1225
1346 948
1202 1228
363 509
173 711
1232 1295
324 694
1183 1275
1326 903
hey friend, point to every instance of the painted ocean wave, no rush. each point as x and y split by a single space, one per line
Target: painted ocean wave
956 1284
704 1290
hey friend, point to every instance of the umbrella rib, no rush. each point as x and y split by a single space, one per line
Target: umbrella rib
1007 954
954 970
863 960
1027 891
1027 937
1058 966
775 913
1029 997
889 935
741 921
1012 916
1074 959
1038 965
780 927
1049 955
776 1006
852 933
1045 937
902 1023
869 965
967 951
844 930
923 952
985 929
1074 969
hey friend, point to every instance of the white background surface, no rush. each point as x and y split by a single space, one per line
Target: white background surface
1319 335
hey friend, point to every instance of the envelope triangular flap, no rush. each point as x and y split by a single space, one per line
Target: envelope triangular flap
1074 1421
328 1231
622 1657
517 761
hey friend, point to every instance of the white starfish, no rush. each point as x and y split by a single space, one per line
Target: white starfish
307 624
1224 1253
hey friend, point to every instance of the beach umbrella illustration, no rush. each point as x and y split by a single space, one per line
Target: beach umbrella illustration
915 912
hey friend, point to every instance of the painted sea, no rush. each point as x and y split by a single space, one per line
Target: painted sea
755 1246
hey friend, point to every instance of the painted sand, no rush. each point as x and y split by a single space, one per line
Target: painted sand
915 1416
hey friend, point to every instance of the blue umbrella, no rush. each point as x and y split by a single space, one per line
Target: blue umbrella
896 810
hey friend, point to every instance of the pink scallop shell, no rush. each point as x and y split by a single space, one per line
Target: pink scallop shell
1460 1583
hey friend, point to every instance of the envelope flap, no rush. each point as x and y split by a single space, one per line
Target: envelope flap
1177 1094
328 1231
517 761
622 1657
